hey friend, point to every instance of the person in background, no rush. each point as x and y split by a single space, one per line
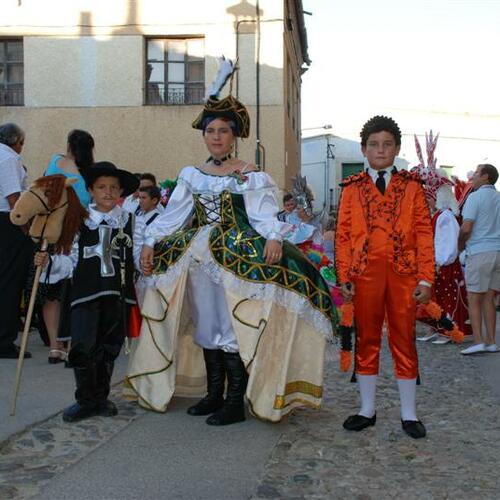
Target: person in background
16 248
78 158
449 288
289 205
149 204
131 203
54 287
480 236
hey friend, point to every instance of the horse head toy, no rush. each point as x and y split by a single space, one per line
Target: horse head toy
56 211
57 216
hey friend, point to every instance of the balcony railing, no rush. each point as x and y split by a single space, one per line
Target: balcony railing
156 94
11 96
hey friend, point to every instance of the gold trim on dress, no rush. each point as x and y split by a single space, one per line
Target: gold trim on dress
298 386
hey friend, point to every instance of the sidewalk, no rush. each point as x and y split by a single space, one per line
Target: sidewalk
147 455
45 389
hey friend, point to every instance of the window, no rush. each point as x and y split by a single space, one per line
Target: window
351 169
11 73
175 71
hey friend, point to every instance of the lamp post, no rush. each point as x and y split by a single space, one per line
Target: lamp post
324 127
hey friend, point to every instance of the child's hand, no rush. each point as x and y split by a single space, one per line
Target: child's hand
147 254
41 259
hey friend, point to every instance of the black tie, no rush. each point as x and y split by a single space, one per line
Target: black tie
380 183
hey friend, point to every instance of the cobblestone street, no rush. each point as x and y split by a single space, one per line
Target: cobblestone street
316 458
313 456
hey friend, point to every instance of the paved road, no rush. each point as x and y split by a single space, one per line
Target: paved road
147 455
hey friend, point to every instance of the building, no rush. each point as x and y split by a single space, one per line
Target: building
134 72
326 160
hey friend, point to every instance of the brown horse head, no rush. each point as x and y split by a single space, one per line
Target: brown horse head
57 211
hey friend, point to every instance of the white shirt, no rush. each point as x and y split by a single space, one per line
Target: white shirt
13 177
374 174
258 191
131 203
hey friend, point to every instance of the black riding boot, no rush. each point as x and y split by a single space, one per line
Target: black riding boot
216 377
234 408
106 408
85 406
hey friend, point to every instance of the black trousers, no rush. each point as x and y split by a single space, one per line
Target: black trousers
97 336
16 254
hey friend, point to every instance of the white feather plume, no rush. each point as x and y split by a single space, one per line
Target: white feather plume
226 69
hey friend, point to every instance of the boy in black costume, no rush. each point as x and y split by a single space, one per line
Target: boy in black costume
100 290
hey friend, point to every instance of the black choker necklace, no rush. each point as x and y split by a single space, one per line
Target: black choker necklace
218 162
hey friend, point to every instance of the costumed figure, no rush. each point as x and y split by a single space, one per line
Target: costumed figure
449 287
101 264
232 301
384 257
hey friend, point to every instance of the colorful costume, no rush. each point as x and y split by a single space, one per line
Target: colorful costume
449 289
384 246
214 290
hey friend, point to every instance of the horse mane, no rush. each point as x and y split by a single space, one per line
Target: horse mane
75 215
53 186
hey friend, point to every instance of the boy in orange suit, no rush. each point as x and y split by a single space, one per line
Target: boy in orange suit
385 262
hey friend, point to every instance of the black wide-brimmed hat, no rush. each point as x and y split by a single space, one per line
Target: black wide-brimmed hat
228 107
128 181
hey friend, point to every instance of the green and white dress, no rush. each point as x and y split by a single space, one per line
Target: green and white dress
212 289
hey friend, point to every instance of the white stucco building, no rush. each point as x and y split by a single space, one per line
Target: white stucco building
134 72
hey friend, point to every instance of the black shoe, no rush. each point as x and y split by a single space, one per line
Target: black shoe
107 409
216 378
414 428
13 353
77 412
358 422
206 406
227 415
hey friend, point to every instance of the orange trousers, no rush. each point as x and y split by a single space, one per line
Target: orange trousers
379 293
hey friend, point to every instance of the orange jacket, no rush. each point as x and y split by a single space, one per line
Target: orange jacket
406 213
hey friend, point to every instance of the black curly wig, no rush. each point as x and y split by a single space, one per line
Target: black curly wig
380 123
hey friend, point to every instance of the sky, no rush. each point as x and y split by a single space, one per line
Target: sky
429 64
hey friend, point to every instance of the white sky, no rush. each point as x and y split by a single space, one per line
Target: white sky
429 64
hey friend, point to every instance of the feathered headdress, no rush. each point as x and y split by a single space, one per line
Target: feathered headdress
433 178
228 107
302 193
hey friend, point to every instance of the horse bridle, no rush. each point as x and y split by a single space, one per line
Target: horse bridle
50 211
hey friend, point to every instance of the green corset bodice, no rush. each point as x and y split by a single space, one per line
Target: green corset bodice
238 248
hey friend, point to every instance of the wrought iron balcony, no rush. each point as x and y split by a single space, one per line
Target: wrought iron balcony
156 94
11 96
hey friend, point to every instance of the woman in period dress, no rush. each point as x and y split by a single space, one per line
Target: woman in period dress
231 298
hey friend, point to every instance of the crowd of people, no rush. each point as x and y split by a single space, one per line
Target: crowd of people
226 283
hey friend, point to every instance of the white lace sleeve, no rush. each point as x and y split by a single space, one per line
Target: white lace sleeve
177 212
446 239
61 266
262 210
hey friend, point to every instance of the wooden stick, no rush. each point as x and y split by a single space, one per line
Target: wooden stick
27 324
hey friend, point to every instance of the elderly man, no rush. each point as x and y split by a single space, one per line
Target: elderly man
480 236
15 246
